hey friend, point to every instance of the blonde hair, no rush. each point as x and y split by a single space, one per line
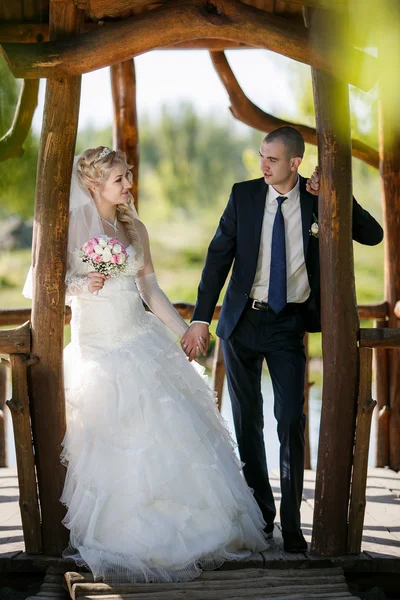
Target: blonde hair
93 173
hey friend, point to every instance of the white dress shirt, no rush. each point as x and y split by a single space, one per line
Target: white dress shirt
298 288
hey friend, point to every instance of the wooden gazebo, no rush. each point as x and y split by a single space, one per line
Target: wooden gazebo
62 39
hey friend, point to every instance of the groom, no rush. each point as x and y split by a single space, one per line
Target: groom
269 233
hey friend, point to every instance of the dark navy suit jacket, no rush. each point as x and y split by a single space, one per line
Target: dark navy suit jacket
237 241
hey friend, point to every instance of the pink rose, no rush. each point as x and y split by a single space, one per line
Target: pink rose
114 259
97 258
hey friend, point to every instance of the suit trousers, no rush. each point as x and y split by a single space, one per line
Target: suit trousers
278 339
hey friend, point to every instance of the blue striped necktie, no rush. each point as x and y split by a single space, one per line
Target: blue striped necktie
277 297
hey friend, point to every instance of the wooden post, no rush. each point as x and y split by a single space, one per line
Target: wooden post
389 84
125 129
28 499
3 416
381 368
360 466
56 154
340 322
307 385
218 372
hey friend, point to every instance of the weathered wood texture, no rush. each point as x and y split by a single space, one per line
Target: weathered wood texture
179 21
11 143
338 311
240 583
3 416
307 386
56 154
249 113
373 311
218 372
381 368
16 341
390 173
380 338
28 498
125 126
365 408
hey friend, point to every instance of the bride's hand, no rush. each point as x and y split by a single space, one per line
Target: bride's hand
96 281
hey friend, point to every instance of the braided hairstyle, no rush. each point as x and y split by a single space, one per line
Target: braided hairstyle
93 173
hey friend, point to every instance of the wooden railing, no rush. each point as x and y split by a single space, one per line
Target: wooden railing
17 344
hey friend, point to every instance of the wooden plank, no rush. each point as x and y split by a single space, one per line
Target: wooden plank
178 21
218 372
373 311
16 341
389 98
28 498
380 338
3 415
50 233
125 125
338 300
360 463
381 369
11 143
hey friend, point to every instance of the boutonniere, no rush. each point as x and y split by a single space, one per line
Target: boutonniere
314 231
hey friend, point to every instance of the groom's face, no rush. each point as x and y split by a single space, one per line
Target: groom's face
277 167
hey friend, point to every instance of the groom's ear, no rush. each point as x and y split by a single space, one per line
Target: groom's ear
295 163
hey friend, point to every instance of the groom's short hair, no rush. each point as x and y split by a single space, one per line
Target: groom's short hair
292 139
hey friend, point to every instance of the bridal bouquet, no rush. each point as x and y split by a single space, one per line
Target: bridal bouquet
106 255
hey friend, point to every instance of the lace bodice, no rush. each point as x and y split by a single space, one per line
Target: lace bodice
111 317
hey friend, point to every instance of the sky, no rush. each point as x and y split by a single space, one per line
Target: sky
171 76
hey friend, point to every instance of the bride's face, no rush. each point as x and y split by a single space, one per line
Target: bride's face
117 186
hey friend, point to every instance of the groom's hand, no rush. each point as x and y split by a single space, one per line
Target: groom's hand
195 340
312 185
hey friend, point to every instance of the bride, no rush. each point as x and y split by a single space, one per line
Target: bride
154 490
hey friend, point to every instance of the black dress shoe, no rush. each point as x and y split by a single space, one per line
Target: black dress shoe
269 531
293 541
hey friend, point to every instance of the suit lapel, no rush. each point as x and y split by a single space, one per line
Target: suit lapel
307 206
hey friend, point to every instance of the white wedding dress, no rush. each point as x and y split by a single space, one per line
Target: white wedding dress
154 489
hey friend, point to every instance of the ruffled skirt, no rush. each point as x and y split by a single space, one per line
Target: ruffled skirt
154 489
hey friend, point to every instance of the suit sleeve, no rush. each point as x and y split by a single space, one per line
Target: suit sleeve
366 230
220 255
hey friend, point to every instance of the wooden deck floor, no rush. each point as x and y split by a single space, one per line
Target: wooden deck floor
380 548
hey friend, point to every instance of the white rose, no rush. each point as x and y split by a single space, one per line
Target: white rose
314 228
98 249
116 249
102 242
121 259
106 255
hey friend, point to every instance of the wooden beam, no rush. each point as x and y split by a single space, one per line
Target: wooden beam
3 416
16 341
218 372
57 145
12 141
389 97
373 311
381 369
125 125
365 407
180 21
338 311
28 498
249 113
380 338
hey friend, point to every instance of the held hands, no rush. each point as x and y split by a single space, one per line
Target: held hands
96 281
195 341
312 185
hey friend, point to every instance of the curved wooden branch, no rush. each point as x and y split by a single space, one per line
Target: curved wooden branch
11 142
176 22
246 111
